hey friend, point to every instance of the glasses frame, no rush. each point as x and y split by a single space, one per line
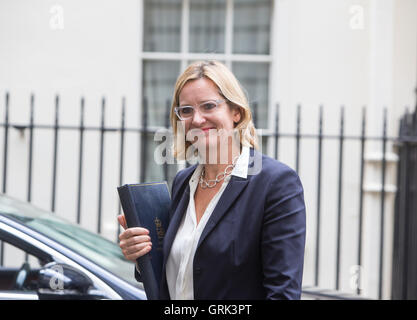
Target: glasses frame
177 109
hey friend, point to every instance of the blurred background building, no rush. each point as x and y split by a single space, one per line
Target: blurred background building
85 84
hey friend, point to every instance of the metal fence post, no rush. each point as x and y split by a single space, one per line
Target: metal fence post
80 160
404 278
55 154
100 181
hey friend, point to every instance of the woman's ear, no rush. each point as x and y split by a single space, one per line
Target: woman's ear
237 115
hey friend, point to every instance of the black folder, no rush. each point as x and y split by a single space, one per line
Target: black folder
146 205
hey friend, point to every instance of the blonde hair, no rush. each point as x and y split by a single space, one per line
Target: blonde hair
229 87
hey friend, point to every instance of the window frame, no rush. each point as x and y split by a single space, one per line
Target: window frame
228 57
185 56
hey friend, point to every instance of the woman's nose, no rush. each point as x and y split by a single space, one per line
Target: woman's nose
198 119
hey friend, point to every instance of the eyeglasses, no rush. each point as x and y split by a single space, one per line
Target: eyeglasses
206 108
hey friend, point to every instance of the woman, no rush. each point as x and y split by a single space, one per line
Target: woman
237 218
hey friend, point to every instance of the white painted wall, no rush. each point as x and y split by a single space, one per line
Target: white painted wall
74 49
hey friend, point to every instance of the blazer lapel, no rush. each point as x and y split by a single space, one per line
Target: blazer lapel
231 193
176 220
178 214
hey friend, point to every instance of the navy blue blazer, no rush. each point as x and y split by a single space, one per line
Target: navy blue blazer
253 244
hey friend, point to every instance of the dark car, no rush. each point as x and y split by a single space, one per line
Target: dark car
71 262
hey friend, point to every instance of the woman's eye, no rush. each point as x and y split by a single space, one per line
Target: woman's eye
187 110
209 106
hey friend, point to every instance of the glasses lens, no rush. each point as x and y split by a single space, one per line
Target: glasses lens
186 112
208 106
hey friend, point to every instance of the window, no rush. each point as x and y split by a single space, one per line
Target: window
176 33
162 25
207 26
18 260
251 26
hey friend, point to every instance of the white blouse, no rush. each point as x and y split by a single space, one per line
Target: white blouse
179 268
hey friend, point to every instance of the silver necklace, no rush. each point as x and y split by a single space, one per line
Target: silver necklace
212 183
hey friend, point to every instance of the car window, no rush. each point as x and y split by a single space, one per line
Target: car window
92 246
14 259
14 256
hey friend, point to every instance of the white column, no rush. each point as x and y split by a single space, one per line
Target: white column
381 24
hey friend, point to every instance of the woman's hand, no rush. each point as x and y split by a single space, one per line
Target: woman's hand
134 242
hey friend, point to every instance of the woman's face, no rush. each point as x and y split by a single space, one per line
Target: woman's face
194 93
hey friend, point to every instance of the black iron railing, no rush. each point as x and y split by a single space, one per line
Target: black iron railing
404 275
144 131
383 139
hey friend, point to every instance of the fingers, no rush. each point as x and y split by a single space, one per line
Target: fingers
135 242
137 251
132 232
122 221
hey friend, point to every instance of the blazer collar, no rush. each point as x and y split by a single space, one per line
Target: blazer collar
184 197
234 188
